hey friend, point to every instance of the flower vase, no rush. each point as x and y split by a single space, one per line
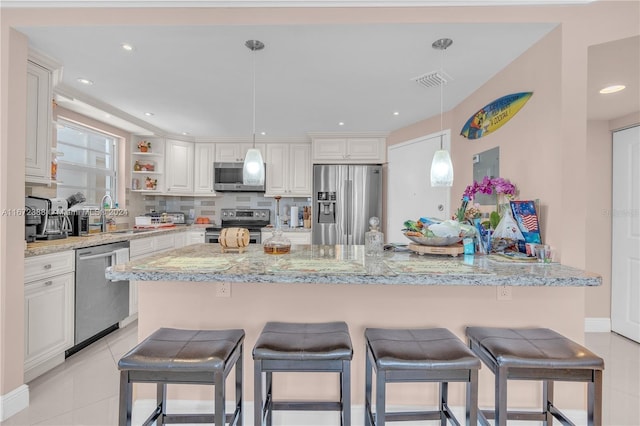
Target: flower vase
143 149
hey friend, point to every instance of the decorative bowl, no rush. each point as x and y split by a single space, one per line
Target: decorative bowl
434 241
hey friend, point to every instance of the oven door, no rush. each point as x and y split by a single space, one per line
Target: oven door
214 237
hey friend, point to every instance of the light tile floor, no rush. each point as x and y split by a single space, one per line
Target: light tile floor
84 390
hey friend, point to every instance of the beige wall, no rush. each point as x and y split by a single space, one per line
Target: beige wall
565 141
13 83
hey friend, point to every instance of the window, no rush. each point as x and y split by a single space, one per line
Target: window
87 162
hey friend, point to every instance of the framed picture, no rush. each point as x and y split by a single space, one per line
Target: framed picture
524 212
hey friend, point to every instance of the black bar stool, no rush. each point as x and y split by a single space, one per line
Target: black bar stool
536 354
418 355
194 357
302 347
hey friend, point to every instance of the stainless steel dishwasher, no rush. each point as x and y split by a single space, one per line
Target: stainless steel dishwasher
100 304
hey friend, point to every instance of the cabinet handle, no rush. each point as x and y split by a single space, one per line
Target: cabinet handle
48 282
47 266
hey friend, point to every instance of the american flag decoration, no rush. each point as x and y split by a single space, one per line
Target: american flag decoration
524 212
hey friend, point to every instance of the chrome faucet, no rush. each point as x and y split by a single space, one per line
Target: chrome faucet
103 213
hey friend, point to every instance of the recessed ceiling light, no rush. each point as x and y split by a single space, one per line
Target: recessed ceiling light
148 114
185 133
127 47
341 123
612 89
263 133
107 116
396 113
85 81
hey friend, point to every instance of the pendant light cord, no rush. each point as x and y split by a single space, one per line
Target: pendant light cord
441 94
254 98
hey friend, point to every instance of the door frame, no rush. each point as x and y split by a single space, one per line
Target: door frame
446 144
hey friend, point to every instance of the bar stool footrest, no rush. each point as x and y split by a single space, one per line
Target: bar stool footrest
306 406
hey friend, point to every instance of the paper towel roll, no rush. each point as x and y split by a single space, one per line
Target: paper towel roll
293 217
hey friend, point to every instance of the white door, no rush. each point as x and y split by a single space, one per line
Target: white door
409 191
625 244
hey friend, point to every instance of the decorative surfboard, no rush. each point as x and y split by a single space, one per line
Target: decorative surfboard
494 115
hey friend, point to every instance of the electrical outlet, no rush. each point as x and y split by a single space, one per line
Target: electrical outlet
223 289
503 292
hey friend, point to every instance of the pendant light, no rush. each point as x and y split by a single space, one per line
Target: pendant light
253 169
441 166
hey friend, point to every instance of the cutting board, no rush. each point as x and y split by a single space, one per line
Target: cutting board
452 250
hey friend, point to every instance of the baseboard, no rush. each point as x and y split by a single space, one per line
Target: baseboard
597 325
14 402
142 408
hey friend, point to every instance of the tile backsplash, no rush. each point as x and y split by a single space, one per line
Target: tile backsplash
139 204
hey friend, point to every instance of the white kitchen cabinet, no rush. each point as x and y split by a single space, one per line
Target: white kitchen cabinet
140 248
48 310
147 174
195 237
203 174
295 237
234 152
179 159
288 170
179 239
38 126
349 150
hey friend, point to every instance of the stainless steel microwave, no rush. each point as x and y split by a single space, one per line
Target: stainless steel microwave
228 177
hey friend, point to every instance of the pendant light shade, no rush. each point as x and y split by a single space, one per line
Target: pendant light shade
441 169
253 169
441 166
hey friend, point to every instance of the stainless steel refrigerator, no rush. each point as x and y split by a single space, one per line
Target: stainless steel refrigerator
344 198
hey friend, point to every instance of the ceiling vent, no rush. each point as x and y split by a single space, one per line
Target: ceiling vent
433 79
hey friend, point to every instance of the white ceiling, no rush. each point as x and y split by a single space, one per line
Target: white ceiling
198 79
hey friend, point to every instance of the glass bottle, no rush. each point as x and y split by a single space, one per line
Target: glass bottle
373 239
277 243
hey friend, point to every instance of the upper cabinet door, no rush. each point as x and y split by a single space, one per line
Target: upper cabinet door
349 150
38 142
203 176
179 167
300 169
234 152
277 169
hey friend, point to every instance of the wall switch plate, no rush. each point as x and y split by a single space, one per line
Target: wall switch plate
223 289
503 292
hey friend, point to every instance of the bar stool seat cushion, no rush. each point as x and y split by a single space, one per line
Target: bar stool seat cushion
304 342
434 349
169 349
534 348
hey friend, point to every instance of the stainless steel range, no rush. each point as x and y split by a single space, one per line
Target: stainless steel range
252 219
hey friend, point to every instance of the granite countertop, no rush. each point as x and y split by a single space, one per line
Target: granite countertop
315 264
41 247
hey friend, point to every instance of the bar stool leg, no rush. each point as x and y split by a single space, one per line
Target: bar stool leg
239 372
126 396
161 402
472 399
501 396
257 393
269 398
368 376
547 402
219 414
345 392
444 393
380 398
594 397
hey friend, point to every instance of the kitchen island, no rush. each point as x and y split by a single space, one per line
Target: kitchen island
199 287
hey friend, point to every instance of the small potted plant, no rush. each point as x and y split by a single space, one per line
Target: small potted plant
151 183
144 146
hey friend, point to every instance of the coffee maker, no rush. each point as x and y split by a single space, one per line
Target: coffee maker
54 219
